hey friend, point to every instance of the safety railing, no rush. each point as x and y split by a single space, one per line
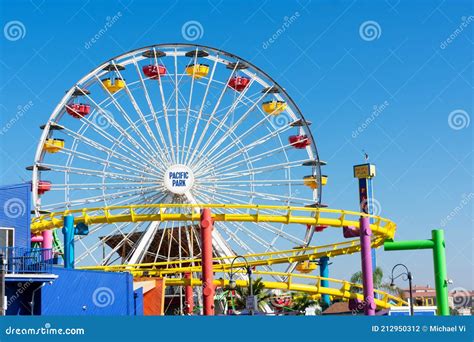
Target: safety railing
21 260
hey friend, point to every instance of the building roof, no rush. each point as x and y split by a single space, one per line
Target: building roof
338 308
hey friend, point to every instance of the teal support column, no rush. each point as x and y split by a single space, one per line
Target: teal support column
437 244
441 276
324 272
68 232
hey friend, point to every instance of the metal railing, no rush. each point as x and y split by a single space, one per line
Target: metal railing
21 260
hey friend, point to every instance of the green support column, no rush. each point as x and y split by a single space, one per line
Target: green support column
439 262
441 276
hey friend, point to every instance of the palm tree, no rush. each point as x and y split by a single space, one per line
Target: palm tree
302 301
378 282
259 292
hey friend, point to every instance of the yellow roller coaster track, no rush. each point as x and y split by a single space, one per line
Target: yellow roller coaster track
382 229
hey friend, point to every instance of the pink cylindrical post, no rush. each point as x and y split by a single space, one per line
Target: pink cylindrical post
206 251
188 294
47 244
367 276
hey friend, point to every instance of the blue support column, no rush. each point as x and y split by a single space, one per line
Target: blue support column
68 232
324 272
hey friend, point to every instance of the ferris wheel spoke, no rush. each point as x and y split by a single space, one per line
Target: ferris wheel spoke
251 171
223 120
213 113
94 144
95 173
157 149
105 162
151 107
270 153
248 147
111 120
203 103
167 123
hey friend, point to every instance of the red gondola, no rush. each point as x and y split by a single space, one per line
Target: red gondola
299 141
78 110
154 71
239 83
43 186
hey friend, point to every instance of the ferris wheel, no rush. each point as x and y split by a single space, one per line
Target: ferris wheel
176 123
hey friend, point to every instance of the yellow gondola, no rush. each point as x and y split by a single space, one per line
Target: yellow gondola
115 86
198 70
274 107
312 181
53 145
306 266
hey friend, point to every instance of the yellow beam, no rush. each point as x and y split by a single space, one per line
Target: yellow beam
290 285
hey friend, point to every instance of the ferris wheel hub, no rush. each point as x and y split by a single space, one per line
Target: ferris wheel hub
179 179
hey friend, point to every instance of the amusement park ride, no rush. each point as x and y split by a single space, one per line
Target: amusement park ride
171 160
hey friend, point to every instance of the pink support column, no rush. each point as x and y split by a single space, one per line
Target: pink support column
367 275
188 294
208 289
47 244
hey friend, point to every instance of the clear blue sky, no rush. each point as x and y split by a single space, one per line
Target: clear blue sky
334 70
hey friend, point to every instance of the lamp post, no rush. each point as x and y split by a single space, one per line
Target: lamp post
233 284
406 275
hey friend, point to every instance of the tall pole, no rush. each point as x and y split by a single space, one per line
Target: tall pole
367 274
410 288
68 232
2 285
437 244
324 273
441 277
365 173
188 294
208 289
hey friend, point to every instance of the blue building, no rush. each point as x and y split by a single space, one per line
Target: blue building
34 286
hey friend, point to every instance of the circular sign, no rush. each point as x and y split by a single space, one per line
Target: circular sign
179 179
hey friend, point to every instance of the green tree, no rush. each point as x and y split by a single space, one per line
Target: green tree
302 301
378 282
259 291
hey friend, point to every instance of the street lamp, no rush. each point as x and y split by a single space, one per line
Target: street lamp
233 283
406 276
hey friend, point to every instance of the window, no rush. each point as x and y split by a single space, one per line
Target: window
7 237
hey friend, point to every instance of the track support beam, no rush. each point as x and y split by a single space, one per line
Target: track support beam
367 275
208 288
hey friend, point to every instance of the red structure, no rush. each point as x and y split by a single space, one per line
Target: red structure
78 110
43 186
188 292
154 71
299 141
239 83
208 288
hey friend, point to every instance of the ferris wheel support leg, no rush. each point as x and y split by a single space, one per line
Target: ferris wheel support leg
188 290
367 275
208 289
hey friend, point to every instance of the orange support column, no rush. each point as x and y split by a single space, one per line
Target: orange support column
208 288
188 292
